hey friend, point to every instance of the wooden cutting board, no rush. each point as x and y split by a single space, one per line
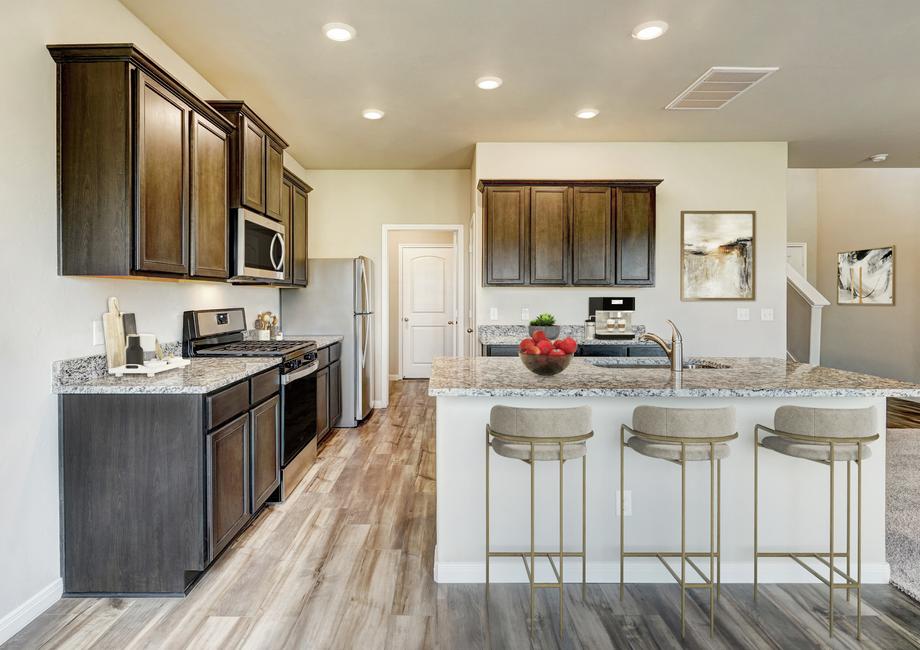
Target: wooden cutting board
113 329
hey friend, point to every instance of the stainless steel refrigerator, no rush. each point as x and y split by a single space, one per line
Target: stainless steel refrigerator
338 300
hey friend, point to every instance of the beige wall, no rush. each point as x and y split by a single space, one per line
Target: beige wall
348 209
865 208
396 238
697 176
802 214
50 317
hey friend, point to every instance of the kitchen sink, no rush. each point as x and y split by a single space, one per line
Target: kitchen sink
637 363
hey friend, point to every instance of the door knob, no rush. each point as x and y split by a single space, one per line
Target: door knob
450 322
406 319
469 330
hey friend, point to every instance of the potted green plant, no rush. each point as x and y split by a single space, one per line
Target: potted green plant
547 323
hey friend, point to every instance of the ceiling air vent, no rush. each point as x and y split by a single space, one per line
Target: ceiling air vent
717 87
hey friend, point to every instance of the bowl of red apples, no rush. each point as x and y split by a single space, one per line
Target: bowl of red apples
545 357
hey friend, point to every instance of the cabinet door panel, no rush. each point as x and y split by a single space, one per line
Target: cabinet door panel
506 219
335 393
549 235
299 237
162 179
228 483
287 198
255 145
592 236
322 403
274 172
266 451
209 160
635 237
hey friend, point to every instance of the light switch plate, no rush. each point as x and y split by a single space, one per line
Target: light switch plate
744 313
766 314
98 336
627 502
525 314
493 313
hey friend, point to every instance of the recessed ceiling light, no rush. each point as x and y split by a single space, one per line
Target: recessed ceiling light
650 30
372 114
339 32
878 157
586 113
488 83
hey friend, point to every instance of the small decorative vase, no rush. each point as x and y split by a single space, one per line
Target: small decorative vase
551 331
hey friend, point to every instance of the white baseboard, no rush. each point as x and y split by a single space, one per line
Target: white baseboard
379 404
29 610
638 570
395 377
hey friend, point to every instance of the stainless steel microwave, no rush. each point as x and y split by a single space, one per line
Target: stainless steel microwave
258 246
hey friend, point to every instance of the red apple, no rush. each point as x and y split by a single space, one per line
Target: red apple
557 353
569 345
545 346
533 349
558 344
538 336
526 343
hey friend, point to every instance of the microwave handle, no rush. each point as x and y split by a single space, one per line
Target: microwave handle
271 252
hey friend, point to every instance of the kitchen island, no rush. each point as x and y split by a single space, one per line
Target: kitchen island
467 388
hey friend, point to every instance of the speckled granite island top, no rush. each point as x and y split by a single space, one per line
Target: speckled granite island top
322 340
201 376
746 377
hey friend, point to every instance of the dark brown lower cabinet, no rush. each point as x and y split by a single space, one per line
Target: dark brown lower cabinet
154 487
335 392
266 451
322 403
228 483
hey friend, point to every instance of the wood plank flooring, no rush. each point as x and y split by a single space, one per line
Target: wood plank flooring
903 413
346 562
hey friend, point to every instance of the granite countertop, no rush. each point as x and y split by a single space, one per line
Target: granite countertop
322 340
512 335
492 339
201 376
746 377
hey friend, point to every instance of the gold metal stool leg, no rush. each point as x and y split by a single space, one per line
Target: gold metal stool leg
756 487
683 535
830 598
858 542
488 548
533 569
719 528
712 539
584 523
848 526
561 528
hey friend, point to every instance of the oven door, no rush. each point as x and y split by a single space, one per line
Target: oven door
259 246
298 398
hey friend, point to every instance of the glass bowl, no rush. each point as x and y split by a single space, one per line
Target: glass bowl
543 364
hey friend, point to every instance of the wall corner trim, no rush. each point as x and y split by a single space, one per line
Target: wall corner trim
28 611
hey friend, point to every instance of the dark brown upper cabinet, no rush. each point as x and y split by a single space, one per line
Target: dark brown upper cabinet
256 160
210 163
550 214
295 217
635 236
568 233
139 180
592 236
505 235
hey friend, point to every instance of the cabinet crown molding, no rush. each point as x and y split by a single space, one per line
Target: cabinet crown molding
233 108
130 53
483 183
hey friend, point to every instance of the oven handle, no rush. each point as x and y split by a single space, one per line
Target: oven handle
301 372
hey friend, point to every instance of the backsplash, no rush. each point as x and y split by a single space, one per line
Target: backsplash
521 331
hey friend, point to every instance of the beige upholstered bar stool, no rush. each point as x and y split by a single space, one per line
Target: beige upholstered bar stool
825 436
534 435
682 436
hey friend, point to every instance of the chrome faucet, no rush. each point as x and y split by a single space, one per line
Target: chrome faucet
675 351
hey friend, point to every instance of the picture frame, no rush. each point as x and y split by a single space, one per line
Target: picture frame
718 255
866 277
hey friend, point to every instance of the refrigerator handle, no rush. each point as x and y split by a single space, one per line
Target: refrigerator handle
367 295
366 339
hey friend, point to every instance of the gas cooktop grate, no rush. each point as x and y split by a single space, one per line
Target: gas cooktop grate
255 347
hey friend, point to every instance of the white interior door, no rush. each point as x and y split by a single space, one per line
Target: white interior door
427 307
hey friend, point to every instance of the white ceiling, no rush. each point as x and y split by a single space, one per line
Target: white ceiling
848 84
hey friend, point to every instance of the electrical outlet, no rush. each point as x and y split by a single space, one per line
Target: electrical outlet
98 336
627 502
493 313
525 314
744 313
766 314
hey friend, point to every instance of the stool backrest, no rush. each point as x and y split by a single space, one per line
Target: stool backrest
684 423
826 423
541 423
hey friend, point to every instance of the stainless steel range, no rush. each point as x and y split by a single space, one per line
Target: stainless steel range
221 333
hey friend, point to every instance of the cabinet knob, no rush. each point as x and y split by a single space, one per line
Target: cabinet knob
406 318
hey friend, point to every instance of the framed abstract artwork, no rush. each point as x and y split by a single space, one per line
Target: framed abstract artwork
717 255
866 277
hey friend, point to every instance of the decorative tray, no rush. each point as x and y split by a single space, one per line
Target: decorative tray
153 367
